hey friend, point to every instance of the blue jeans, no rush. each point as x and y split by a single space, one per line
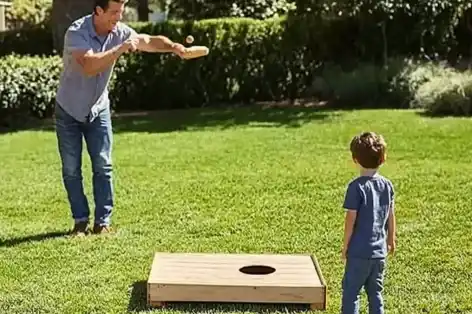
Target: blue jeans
367 273
98 138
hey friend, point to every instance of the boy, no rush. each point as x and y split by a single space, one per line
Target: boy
369 230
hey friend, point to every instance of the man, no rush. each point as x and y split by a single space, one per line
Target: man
92 45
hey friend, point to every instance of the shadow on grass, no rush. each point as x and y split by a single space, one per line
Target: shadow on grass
32 238
138 298
194 119
191 119
138 303
443 115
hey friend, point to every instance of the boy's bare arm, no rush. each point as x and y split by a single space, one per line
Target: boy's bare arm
392 226
349 221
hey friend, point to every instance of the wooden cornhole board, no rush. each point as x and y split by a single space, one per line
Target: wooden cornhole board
236 278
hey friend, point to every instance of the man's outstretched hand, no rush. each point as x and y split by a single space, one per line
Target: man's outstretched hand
130 45
179 50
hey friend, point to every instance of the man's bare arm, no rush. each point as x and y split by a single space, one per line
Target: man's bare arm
94 63
158 43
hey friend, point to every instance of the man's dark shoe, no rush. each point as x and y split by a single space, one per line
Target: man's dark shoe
80 229
97 229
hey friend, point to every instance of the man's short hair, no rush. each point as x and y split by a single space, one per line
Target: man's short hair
368 149
104 3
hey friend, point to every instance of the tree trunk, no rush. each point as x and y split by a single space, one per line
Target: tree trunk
143 10
64 12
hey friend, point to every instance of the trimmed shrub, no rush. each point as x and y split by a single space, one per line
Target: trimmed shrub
27 87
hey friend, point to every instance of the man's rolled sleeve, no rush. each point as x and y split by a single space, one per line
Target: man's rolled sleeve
76 40
126 32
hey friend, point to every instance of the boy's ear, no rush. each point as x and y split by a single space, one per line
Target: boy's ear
383 158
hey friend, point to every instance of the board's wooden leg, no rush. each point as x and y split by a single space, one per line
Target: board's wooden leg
158 304
316 306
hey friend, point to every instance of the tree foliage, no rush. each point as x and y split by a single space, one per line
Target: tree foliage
204 9
28 13
432 20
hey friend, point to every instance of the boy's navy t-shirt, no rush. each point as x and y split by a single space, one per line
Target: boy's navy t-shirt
372 197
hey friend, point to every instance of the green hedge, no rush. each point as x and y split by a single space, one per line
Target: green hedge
249 60
27 88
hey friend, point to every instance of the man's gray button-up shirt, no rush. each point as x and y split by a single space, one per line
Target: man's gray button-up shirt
81 96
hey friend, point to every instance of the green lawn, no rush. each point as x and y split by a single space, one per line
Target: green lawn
239 181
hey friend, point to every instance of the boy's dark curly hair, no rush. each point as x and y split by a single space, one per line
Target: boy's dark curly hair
369 149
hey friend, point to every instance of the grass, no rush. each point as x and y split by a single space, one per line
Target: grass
239 181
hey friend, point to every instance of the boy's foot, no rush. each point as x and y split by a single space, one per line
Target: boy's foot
97 229
80 229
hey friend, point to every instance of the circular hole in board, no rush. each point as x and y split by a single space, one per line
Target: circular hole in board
257 270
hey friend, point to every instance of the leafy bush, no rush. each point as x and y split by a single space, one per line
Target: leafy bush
365 85
447 93
435 87
27 87
413 75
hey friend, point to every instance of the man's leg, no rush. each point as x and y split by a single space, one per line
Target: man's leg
69 138
374 287
355 275
99 139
